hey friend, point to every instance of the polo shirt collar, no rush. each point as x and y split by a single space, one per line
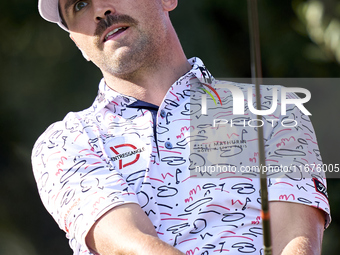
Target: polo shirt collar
106 95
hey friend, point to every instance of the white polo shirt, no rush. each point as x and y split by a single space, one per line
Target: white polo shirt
121 150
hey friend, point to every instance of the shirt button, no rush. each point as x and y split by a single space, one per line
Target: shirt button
168 145
163 113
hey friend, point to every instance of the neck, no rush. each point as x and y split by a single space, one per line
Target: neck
153 79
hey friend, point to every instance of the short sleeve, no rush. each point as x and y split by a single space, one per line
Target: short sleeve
76 183
293 154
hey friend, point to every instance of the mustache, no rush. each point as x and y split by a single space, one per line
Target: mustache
113 20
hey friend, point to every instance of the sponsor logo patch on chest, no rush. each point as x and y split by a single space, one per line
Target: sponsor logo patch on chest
125 152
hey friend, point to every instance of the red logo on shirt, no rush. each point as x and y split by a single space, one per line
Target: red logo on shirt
319 187
127 152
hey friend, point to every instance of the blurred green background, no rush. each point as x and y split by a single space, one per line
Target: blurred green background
43 76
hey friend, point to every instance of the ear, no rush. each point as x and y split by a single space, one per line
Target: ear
82 52
169 5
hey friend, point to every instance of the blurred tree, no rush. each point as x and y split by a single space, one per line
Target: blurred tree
321 21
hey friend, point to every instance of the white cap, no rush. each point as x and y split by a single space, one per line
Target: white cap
49 10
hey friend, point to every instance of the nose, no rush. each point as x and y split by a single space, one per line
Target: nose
102 8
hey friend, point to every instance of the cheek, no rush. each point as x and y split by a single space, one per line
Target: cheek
83 25
82 41
148 11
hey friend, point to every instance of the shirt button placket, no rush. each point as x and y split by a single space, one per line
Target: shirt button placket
163 113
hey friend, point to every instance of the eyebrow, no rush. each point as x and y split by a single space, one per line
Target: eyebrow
68 4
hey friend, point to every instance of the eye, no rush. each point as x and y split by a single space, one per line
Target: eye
79 5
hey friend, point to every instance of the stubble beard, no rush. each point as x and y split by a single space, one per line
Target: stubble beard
128 61
130 57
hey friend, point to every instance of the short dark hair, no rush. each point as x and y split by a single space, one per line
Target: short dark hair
61 16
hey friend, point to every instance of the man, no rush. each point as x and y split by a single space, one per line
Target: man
119 177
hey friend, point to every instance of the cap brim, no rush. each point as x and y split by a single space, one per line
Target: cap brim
48 9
